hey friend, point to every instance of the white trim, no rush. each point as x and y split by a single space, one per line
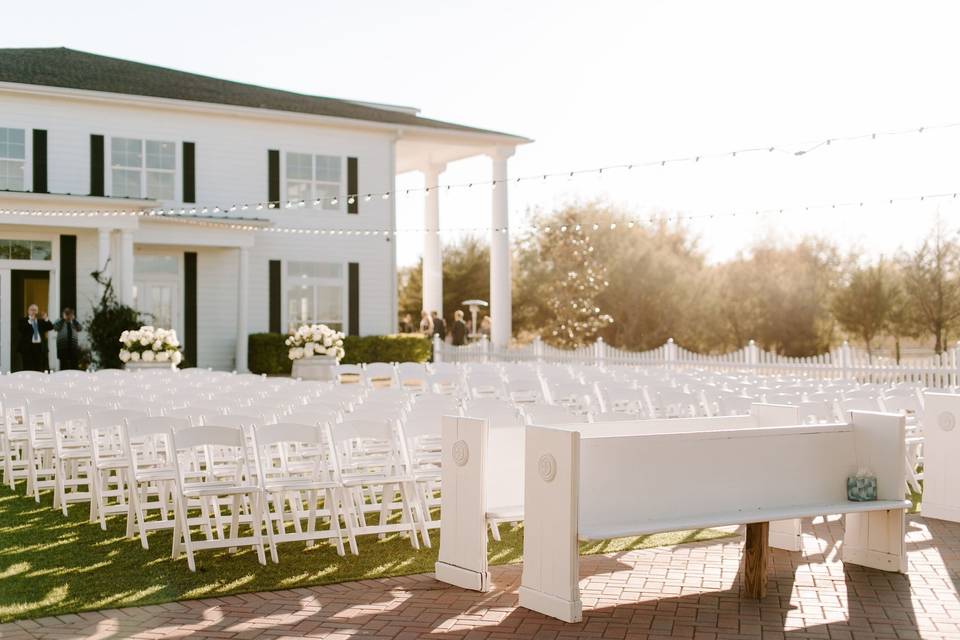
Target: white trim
473 137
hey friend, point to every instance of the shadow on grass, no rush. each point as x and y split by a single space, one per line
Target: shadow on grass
50 565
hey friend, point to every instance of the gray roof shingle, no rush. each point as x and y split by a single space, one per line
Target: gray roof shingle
69 68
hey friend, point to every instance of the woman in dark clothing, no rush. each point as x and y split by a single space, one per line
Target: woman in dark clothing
459 329
68 340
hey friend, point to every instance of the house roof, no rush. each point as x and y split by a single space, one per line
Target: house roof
72 69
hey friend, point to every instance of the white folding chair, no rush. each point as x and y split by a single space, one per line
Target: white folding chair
301 488
198 478
150 472
110 461
372 459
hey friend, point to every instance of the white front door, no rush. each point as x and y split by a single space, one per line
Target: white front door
156 302
156 289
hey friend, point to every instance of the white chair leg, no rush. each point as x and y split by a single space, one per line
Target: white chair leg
269 522
408 516
257 525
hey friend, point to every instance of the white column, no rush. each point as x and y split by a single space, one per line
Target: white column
500 286
103 255
125 293
243 308
432 260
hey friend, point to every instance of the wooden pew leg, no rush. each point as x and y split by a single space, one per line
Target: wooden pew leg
755 555
875 539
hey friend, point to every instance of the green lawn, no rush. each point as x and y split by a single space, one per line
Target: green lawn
51 565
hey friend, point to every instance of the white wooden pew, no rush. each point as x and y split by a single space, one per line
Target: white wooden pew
482 480
584 485
941 452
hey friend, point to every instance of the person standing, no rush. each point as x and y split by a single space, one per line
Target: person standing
68 342
439 326
426 324
459 329
406 324
486 325
31 338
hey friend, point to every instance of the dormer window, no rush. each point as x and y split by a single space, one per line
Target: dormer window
311 177
13 154
143 168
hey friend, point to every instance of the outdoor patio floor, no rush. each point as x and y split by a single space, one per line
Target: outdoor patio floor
689 591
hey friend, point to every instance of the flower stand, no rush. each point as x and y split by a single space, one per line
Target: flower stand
314 368
140 365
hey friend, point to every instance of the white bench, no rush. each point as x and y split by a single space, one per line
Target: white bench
941 451
583 485
482 480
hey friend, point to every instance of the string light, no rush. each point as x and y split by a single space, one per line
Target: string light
259 225
797 149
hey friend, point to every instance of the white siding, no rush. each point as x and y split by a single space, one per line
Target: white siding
231 167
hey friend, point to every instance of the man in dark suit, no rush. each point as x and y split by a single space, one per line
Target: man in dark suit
68 342
32 339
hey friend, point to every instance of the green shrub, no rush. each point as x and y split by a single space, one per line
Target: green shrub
109 320
267 352
399 347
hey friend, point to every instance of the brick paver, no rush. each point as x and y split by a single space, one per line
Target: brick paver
688 592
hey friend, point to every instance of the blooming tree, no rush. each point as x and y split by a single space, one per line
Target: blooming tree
571 298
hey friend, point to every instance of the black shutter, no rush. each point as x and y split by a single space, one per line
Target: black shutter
273 176
190 307
68 272
353 189
275 297
189 172
353 299
96 165
40 161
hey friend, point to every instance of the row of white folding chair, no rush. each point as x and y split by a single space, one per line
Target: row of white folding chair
355 481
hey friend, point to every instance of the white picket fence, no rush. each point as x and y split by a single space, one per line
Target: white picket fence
843 362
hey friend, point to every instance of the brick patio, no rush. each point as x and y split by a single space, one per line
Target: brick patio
685 592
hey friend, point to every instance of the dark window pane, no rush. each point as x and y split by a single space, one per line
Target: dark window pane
41 250
4 249
19 249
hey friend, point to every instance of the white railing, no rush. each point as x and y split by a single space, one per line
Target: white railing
846 362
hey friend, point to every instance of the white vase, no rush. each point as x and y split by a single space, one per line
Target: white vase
315 368
140 365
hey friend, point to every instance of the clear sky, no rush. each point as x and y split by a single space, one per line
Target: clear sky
599 83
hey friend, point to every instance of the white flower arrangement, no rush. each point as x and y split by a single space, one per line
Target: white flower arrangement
149 344
315 340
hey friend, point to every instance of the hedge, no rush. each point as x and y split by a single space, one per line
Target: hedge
267 352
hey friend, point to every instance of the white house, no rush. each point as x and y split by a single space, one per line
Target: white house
102 158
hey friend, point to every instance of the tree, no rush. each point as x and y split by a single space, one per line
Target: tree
579 276
865 304
466 276
902 321
932 285
109 320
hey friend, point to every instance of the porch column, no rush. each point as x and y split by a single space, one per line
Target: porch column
103 255
243 308
432 260
501 316
125 293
